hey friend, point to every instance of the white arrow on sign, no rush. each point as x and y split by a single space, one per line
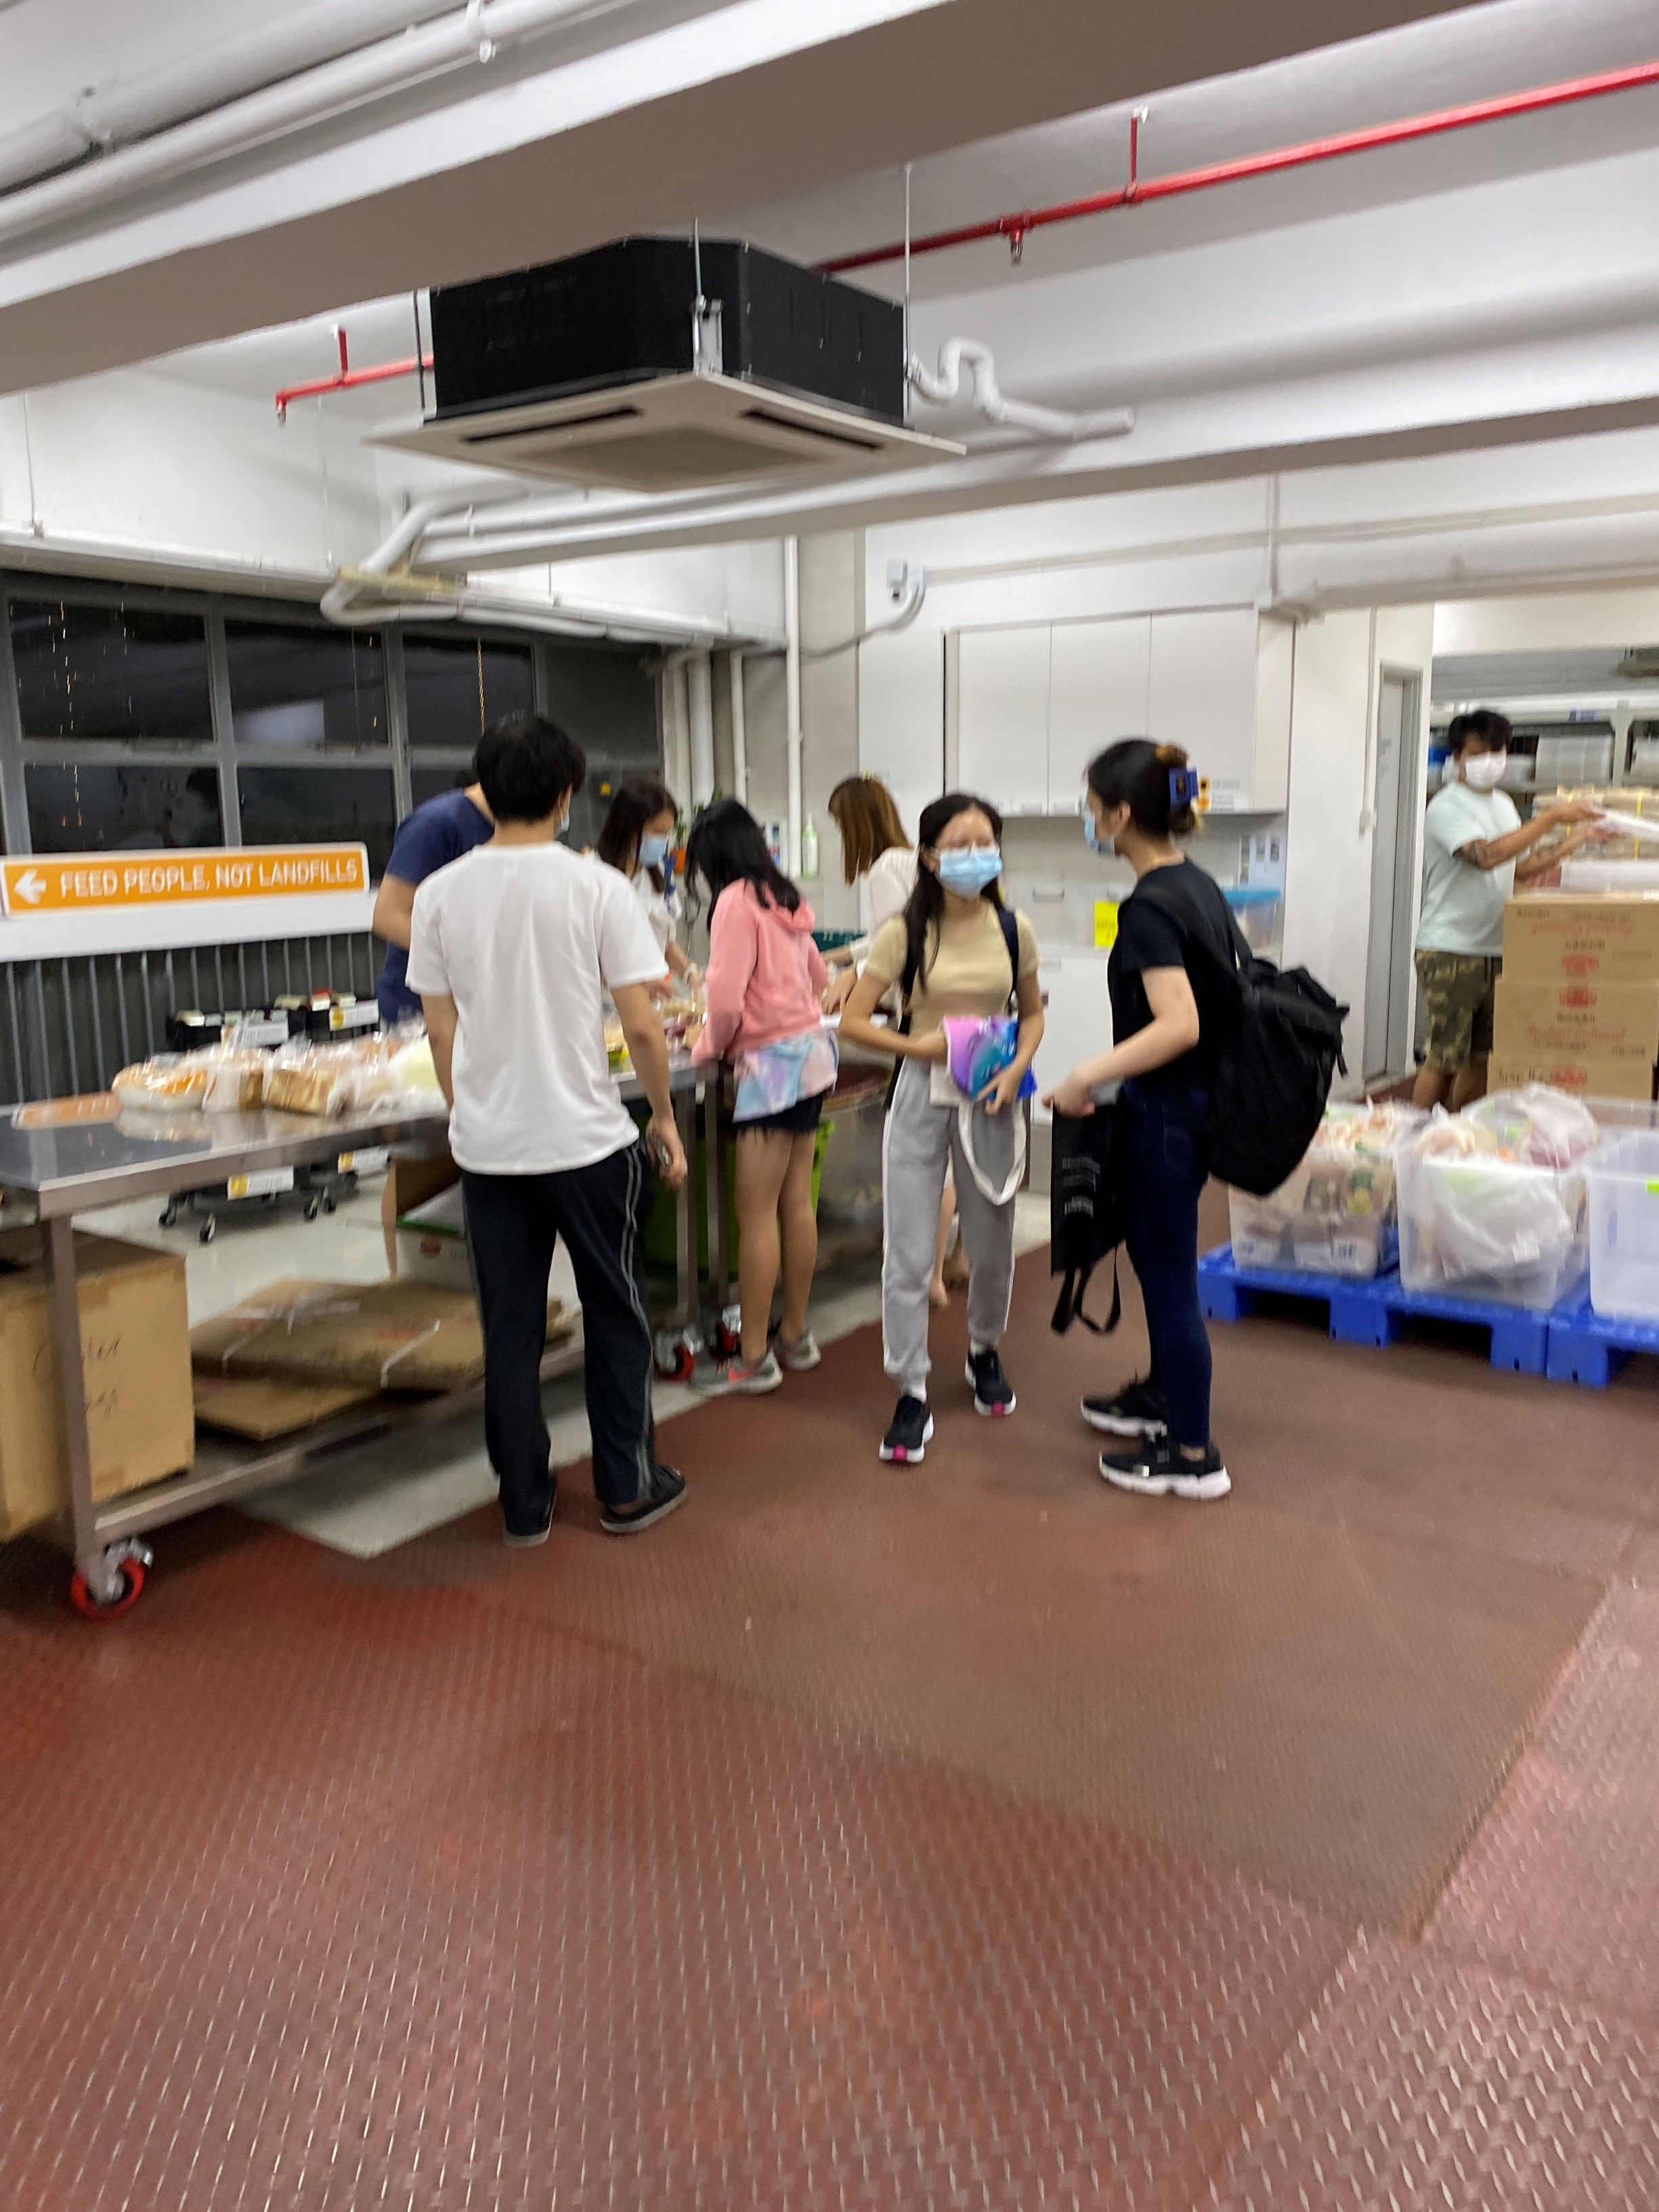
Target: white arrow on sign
30 887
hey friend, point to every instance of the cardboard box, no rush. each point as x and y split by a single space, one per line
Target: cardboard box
410 1184
1604 940
1584 1078
432 1245
379 1336
263 1408
1571 1020
428 1256
135 1345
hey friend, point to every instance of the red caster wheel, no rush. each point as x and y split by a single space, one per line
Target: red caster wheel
131 1572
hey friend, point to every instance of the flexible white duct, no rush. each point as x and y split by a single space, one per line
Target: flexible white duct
281 45
381 590
945 385
472 34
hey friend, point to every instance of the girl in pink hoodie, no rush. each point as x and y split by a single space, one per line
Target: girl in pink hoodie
763 980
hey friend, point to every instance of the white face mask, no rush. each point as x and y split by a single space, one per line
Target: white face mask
1485 771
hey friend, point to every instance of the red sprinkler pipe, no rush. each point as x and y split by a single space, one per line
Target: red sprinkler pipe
1137 190
346 379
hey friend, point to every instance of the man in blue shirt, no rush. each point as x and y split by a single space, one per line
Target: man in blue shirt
427 840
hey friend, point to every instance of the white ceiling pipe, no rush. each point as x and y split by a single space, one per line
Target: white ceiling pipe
560 618
945 385
469 35
700 716
792 699
116 113
393 550
739 730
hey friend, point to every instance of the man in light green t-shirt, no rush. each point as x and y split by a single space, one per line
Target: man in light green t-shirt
1475 849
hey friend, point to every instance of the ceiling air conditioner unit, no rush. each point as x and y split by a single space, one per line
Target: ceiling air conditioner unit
616 368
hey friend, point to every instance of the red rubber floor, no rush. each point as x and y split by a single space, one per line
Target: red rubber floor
974 1837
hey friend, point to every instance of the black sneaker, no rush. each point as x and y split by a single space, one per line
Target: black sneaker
1137 1410
525 1539
907 1431
994 1394
1159 1469
667 1491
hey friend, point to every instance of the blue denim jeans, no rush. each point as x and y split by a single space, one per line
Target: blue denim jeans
1164 1173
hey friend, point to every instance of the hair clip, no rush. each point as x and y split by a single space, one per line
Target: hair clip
1183 787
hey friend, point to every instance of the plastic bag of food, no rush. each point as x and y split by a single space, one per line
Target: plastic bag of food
330 1078
172 1082
1542 1127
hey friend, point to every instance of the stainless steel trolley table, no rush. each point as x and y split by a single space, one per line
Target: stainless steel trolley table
74 1168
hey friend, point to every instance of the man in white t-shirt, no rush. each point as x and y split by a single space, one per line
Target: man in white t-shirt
1475 849
512 948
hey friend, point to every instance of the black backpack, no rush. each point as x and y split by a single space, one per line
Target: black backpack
1283 1048
1085 1211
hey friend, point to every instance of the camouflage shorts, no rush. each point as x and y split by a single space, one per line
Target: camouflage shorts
1458 990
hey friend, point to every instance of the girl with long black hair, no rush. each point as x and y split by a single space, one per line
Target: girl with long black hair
638 832
765 978
1170 980
954 951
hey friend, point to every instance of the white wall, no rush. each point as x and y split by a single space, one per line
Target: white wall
150 474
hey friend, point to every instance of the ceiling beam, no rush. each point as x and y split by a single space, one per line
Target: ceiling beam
744 103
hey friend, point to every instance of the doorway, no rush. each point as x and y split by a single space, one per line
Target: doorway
1388 1049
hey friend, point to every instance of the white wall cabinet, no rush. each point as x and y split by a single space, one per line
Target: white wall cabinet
1220 687
1031 706
1099 675
1002 716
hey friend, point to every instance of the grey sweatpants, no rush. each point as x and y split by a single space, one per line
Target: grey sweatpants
919 1139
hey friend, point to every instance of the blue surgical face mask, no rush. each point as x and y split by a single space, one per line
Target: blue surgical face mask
966 869
1091 836
654 851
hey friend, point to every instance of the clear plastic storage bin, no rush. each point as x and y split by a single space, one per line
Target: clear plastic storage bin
1624 1224
1336 1214
1494 1203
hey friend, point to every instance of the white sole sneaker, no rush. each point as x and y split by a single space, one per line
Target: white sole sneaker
1124 1425
798 1358
717 1383
989 1413
904 1458
1200 1488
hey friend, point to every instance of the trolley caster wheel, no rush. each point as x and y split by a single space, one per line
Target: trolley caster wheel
168 1218
329 1204
129 1568
208 1229
311 1205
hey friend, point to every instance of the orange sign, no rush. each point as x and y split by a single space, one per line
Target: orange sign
85 882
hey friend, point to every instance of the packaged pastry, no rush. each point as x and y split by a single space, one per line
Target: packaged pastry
330 1078
172 1081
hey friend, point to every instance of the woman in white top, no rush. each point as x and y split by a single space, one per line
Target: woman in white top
876 851
638 832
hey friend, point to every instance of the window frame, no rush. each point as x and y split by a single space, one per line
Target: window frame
221 751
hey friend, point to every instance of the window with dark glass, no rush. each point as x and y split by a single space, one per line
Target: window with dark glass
426 783
307 805
294 689
110 806
456 687
119 673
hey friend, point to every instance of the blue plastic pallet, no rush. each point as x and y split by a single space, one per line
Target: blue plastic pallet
1372 1312
1589 1348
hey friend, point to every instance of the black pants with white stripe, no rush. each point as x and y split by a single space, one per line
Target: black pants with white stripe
514 1222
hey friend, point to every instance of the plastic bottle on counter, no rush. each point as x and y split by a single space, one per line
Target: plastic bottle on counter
809 848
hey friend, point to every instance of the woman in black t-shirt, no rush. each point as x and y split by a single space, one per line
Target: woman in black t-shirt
1169 977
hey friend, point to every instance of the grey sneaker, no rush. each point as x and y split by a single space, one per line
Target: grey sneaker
667 1491
800 1357
732 1378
